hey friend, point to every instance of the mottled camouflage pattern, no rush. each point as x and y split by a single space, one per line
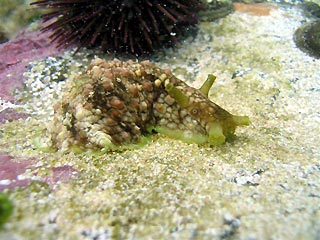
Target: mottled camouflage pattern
114 103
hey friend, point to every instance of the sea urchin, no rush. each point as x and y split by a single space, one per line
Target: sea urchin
135 26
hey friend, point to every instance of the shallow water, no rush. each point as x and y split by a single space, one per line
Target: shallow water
264 184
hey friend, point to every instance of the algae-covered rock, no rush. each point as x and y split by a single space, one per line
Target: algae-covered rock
14 15
307 38
215 10
311 8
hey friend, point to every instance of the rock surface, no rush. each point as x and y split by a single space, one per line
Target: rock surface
16 54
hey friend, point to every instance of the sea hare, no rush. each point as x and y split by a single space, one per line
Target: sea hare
115 103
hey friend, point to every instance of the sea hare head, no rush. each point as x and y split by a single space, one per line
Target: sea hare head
218 123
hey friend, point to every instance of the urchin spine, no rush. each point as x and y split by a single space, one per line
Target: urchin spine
137 27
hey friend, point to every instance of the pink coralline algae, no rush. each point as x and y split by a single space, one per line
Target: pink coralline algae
12 171
11 114
16 54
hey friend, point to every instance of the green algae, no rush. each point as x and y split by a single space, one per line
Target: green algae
6 209
18 137
14 15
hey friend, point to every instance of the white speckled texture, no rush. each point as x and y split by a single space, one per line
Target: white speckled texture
263 185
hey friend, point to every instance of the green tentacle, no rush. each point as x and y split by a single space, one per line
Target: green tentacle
205 88
215 133
241 120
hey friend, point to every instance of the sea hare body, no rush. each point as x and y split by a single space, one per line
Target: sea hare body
115 103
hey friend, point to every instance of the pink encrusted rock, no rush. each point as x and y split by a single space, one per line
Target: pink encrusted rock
11 170
11 115
60 175
16 54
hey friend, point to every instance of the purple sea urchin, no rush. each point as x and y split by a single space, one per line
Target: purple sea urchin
114 103
135 26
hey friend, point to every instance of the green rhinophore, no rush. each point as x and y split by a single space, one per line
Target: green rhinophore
205 88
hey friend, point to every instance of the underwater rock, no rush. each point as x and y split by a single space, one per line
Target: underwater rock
16 54
311 9
11 115
307 38
114 103
10 171
13 168
61 174
216 10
